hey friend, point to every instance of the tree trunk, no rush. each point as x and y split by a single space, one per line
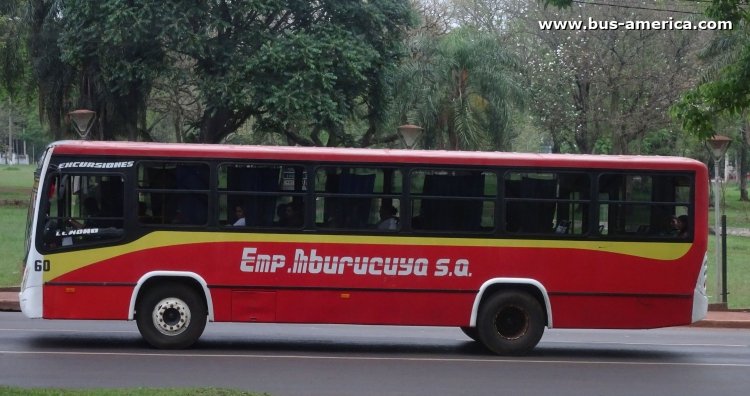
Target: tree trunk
743 160
55 126
214 125
580 100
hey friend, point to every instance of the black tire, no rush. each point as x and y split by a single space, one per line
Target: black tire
171 316
511 323
471 332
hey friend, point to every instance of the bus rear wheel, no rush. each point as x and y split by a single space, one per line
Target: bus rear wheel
510 323
172 316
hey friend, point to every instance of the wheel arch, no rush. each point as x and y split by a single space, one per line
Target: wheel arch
190 278
532 286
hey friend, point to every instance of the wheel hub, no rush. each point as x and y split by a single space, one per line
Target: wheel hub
512 323
171 316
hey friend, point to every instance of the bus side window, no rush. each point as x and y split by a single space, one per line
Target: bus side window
453 200
176 192
351 197
553 203
640 205
264 193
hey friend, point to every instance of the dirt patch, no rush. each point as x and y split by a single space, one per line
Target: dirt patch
15 192
18 203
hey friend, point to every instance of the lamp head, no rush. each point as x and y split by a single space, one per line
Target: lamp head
410 134
718 145
83 120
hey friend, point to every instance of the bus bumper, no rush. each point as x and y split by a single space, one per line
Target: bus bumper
700 297
30 299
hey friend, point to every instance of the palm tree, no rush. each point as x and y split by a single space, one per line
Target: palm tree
461 87
725 50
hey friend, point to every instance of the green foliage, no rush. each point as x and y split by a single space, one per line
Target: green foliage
603 145
728 10
296 67
333 73
120 64
726 90
558 3
13 56
726 95
462 88
53 77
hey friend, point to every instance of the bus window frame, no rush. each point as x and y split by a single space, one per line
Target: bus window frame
209 192
650 237
45 207
591 175
217 193
315 193
409 196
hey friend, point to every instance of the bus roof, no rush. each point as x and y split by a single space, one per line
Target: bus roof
367 155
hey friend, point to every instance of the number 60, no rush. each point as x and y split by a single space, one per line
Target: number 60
41 265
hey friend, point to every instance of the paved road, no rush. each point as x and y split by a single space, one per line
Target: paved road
373 360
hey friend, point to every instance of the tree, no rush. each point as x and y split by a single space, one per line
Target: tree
175 98
13 55
728 91
13 70
300 68
721 51
606 88
461 87
297 67
118 67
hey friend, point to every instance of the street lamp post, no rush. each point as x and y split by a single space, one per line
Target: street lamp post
10 131
718 146
83 120
409 135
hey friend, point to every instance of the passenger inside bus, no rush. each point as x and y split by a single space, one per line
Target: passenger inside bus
292 215
680 225
388 218
281 214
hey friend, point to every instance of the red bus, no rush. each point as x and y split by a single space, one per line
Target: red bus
502 245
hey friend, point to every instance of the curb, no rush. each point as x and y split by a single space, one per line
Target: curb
9 299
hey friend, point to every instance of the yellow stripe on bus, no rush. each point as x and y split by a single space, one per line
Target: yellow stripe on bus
62 263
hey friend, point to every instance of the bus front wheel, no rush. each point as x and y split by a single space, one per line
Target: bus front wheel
510 323
172 316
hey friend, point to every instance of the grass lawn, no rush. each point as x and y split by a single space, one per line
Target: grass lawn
738 271
738 212
15 190
16 181
12 242
738 250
